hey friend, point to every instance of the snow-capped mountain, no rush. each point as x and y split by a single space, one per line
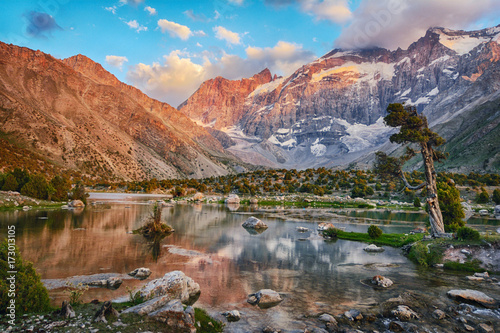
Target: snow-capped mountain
329 112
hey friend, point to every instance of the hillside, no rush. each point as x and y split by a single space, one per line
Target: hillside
75 115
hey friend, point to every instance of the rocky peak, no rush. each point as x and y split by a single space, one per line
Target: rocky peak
263 77
91 69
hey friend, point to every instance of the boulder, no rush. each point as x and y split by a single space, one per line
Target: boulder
76 203
404 313
483 212
66 310
254 223
105 311
326 318
231 316
174 316
497 211
325 226
265 298
110 283
473 296
175 284
140 273
438 314
149 306
254 201
233 199
374 248
198 196
484 328
302 229
353 315
382 281
484 275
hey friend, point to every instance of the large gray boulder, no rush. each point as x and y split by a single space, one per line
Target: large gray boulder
473 296
497 212
374 248
382 281
265 298
175 284
254 223
76 203
404 313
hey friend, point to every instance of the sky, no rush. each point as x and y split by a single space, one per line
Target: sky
168 48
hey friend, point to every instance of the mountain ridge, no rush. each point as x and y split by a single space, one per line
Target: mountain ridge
80 117
329 112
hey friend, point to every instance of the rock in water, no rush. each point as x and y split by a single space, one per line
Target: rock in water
231 316
76 203
382 281
353 314
265 298
374 248
254 223
140 273
175 284
473 296
175 317
233 199
404 313
325 226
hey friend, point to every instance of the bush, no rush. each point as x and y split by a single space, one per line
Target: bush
417 203
331 232
483 197
374 231
496 196
466 233
205 323
30 295
79 193
451 208
425 255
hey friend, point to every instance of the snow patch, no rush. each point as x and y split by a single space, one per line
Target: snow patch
363 72
443 58
283 131
462 44
318 149
363 136
433 92
406 92
267 87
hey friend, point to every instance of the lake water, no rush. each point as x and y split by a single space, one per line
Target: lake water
228 262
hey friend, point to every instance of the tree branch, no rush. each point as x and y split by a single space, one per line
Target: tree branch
408 186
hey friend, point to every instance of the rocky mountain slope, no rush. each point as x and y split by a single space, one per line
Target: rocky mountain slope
78 116
329 112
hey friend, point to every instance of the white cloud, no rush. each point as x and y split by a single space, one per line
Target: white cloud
200 33
335 11
237 2
151 10
180 75
116 61
131 2
136 26
227 35
175 29
397 23
111 9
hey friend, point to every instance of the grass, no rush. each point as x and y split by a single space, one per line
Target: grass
469 266
394 240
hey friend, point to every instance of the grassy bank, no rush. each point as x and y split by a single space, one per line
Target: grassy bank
394 240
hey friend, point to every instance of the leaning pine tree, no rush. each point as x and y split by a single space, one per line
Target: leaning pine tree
414 129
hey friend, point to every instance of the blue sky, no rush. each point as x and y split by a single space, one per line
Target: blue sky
168 48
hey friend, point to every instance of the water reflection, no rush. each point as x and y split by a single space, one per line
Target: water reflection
210 245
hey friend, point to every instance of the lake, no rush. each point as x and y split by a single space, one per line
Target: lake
228 262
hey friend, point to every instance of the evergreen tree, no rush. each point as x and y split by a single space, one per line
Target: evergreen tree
453 213
414 129
496 196
10 183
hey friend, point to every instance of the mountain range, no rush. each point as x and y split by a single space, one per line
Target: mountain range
329 112
75 115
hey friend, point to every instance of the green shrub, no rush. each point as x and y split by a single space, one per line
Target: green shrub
466 233
483 197
205 323
331 232
425 254
374 231
451 208
496 196
417 203
30 294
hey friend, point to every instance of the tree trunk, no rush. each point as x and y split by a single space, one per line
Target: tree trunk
435 216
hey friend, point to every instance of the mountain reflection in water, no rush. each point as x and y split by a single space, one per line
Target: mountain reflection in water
229 263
